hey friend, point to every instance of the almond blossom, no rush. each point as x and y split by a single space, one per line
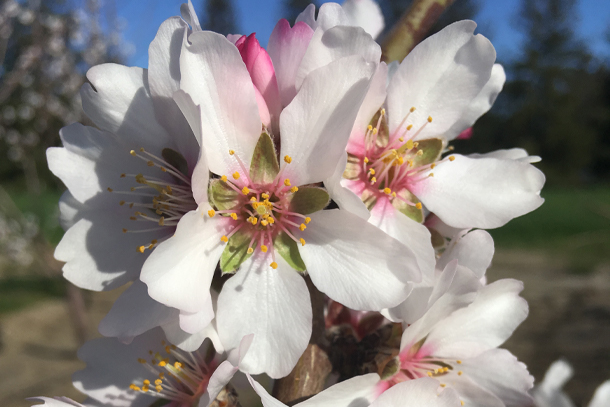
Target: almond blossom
56 402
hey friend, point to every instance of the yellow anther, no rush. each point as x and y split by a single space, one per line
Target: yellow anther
273 265
211 213
234 216
154 241
123 175
140 360
307 220
445 369
451 158
393 194
429 119
373 180
142 149
418 205
150 163
270 220
224 239
263 248
435 371
409 127
250 250
366 160
145 388
147 382
133 218
158 388
450 148
253 199
410 144
161 221
416 144
245 190
462 402
412 109
431 174
265 196
109 189
287 182
294 189
163 169
302 241
432 166
369 127
224 178
372 171
168 348
122 203
141 249
460 373
124 230
443 385
375 130
401 139
400 160
387 191
161 375
429 374
264 222
383 112
134 387
253 220
287 159
132 153
302 227
158 382
459 362
231 152
236 175
177 365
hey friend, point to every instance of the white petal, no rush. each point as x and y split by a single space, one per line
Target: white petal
484 324
472 394
440 77
315 134
366 14
548 393
190 16
480 104
113 366
273 305
120 102
213 73
420 392
179 271
329 15
342 195
134 313
69 210
483 192
474 251
221 376
601 398
333 44
190 342
266 398
510 154
55 402
510 384
415 236
164 80
197 321
358 391
355 263
286 48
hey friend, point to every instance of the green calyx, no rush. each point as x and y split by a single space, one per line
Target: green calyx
236 252
308 200
431 151
222 196
289 250
264 166
411 211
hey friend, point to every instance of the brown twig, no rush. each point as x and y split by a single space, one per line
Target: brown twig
412 28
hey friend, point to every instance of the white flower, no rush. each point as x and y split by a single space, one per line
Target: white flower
56 402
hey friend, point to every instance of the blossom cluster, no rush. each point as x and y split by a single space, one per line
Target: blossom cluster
233 186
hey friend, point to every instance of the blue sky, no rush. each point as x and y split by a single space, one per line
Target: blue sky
497 18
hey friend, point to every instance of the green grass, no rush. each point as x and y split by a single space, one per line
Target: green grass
572 223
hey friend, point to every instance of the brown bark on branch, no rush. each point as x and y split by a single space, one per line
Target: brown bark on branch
412 28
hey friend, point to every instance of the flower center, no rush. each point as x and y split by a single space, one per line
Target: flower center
176 375
261 210
159 201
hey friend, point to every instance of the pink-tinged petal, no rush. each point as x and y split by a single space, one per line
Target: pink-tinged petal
134 313
343 196
334 44
420 392
164 80
440 78
259 65
263 110
366 14
485 324
286 48
213 73
415 236
179 271
329 15
272 304
315 134
479 105
354 392
473 251
221 376
355 263
549 392
483 192
118 100
510 384
517 154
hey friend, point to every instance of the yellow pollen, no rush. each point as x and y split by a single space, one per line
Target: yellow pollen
264 222
432 166
369 127
265 196
263 248
162 363
410 144
270 220
161 375
150 164
294 189
302 227
109 189
393 194
134 387
383 112
287 182
450 148
307 220
416 144
372 171
234 216
451 158
145 388
375 130
366 160
224 239
387 191
409 127
236 175
147 382
211 213
401 139
154 241
253 220
431 174
158 388
400 160
459 362
418 205
253 199
161 221
429 374
302 241
373 180
163 169
231 152
245 190
224 178
462 402
141 249
177 365
273 265
443 385
158 382
412 109
132 153
429 119
287 159
250 250
419 153
460 373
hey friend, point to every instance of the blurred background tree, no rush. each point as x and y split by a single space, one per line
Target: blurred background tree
219 16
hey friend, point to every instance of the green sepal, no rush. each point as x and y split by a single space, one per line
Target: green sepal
264 166
391 368
176 159
236 252
289 250
383 132
160 402
411 211
221 195
432 149
308 200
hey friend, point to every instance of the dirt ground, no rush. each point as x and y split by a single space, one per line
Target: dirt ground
569 317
